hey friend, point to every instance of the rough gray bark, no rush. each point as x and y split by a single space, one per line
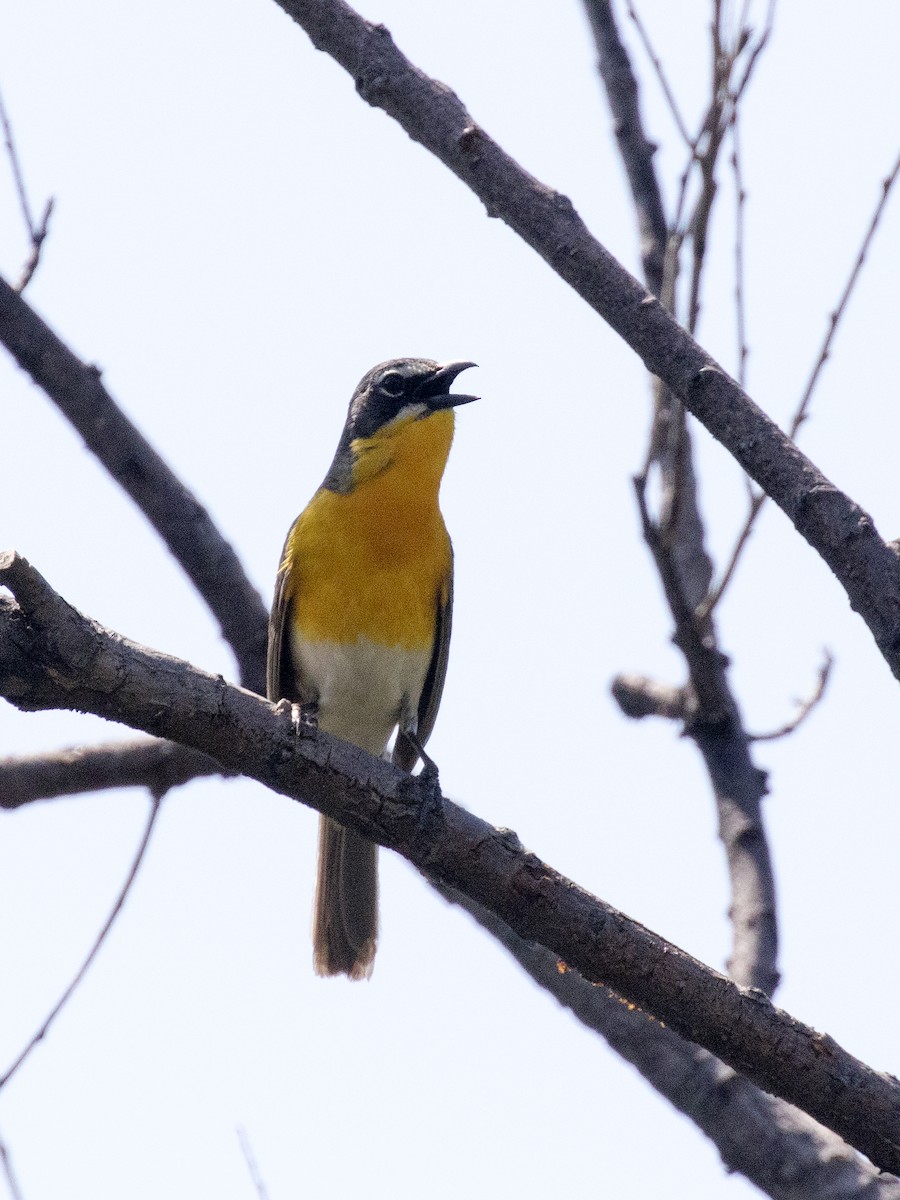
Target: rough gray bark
777 1147
148 763
53 657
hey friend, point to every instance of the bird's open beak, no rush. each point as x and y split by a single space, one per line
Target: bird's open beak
435 392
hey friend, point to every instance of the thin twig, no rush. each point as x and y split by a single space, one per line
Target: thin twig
805 707
36 232
37 242
759 498
755 52
705 153
803 409
11 1181
660 74
16 169
678 227
95 949
706 146
252 1165
717 39
740 197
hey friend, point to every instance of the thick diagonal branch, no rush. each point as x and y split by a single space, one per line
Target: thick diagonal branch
834 525
781 1150
171 508
53 657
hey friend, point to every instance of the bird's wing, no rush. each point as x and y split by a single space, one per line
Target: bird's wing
405 754
281 680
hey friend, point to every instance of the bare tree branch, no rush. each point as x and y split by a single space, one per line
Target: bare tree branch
174 512
51 657
707 706
656 62
773 1144
184 525
1 778
756 48
150 763
635 148
719 119
758 499
835 526
804 708
11 1181
95 949
740 205
716 726
37 231
638 697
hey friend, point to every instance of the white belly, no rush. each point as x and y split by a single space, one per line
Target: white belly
364 690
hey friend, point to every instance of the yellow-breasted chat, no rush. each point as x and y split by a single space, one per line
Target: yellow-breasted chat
360 626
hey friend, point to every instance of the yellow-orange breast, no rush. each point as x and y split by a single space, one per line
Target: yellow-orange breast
375 562
365 572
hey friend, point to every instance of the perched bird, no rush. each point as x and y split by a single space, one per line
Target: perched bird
360 624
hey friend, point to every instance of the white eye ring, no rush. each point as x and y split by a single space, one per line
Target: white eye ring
391 384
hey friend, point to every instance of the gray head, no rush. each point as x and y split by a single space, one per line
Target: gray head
397 389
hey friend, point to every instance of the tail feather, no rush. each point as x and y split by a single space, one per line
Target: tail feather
345 913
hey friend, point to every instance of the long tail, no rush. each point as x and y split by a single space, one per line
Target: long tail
345 911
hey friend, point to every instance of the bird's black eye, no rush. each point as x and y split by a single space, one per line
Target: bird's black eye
392 383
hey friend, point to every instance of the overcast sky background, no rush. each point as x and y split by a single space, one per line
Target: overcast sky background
237 239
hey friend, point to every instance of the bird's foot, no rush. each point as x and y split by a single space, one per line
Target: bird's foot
431 801
304 717
307 715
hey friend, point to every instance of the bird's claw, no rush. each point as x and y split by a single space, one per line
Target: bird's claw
307 715
431 801
304 717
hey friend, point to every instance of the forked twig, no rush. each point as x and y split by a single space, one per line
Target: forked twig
37 231
720 117
705 146
95 949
